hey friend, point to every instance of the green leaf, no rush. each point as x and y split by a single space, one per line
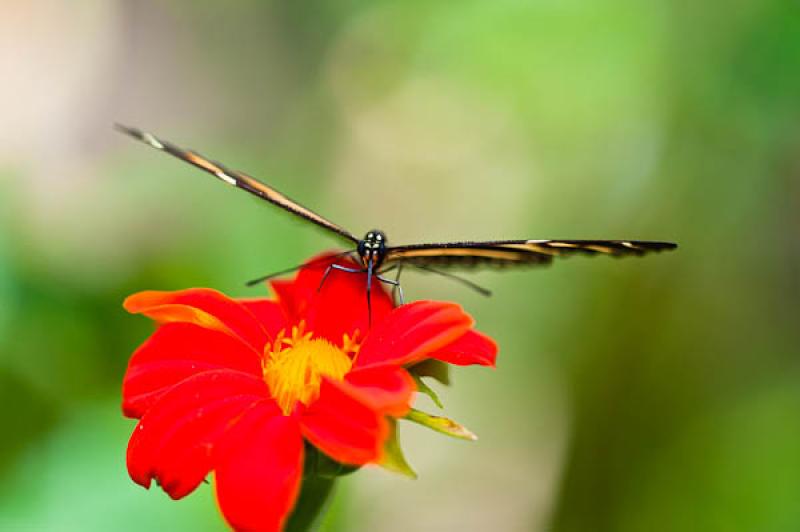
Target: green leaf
433 368
393 458
423 387
441 424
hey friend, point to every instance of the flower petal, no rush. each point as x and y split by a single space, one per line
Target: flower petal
344 427
146 383
284 293
260 465
270 313
189 408
339 306
472 348
412 332
295 295
202 306
386 389
176 351
185 457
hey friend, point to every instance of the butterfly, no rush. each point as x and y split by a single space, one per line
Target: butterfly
376 257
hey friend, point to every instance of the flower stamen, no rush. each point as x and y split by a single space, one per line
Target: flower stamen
295 366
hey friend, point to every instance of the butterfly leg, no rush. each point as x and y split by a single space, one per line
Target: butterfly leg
395 287
336 267
397 284
369 273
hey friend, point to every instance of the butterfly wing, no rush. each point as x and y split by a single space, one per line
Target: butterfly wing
237 179
503 253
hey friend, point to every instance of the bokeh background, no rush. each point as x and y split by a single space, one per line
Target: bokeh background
660 394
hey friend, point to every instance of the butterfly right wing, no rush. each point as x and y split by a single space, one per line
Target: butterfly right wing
237 179
515 252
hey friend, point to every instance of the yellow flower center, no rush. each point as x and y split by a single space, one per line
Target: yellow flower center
294 366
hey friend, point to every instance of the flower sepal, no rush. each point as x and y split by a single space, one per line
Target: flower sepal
435 369
422 387
441 424
393 458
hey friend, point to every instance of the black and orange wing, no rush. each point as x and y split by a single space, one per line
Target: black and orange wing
503 253
237 179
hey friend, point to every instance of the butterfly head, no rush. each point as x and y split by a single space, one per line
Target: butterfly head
372 248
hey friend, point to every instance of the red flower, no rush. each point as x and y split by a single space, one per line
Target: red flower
236 386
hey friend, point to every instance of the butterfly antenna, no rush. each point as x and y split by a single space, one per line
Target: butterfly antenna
466 282
295 268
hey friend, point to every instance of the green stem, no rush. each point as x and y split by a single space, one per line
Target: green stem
311 504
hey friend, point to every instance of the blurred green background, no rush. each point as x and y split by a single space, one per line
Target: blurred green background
660 394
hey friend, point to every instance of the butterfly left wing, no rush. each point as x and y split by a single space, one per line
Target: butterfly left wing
237 179
515 252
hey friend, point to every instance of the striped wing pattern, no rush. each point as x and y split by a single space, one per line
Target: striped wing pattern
503 253
499 253
237 179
